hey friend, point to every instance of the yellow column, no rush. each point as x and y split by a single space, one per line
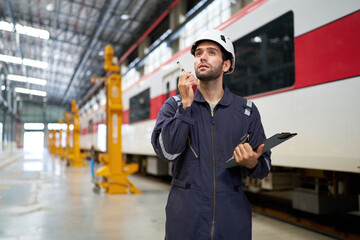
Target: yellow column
68 148
52 141
60 149
115 172
57 142
76 158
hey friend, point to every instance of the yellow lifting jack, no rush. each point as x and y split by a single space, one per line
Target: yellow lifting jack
114 174
76 158
60 150
52 141
68 148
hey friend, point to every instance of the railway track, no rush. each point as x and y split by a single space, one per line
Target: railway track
341 226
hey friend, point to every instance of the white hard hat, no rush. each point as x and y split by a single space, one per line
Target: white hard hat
220 38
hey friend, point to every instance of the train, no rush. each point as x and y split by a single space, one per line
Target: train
299 62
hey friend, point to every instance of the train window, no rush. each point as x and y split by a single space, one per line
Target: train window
177 84
140 106
167 90
264 59
90 127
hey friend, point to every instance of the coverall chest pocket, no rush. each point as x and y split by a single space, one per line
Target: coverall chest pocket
238 131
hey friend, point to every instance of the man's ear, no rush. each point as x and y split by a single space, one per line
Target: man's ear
226 65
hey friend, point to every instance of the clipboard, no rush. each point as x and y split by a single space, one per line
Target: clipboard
269 143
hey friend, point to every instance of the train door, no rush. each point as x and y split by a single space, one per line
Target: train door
169 84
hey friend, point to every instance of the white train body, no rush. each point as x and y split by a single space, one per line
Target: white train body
322 104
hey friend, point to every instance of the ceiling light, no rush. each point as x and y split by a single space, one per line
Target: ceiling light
36 81
35 63
57 126
22 90
33 126
38 93
29 31
10 59
30 91
257 39
124 17
6 26
26 79
25 61
50 7
16 78
33 32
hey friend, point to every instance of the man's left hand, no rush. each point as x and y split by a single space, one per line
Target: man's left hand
246 156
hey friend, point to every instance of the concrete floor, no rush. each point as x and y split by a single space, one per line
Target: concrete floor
41 198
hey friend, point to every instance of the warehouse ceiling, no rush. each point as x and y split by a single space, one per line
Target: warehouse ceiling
73 53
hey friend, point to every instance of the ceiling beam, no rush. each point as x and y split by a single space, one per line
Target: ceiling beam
54 45
17 37
103 18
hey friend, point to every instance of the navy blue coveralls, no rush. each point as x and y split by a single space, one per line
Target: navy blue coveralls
206 201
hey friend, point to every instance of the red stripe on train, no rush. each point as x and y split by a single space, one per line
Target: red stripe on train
329 53
155 105
126 116
84 131
157 102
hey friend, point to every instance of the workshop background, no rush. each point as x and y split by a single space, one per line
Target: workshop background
82 82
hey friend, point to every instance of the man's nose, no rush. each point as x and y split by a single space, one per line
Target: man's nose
203 57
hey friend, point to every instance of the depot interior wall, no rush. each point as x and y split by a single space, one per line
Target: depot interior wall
10 105
42 113
33 112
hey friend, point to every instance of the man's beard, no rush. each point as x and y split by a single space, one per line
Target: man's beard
209 76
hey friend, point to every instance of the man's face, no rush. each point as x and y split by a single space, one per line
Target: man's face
208 63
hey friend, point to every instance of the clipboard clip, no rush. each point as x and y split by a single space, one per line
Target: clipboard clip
286 135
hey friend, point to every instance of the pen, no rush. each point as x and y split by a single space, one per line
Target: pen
181 68
246 139
242 142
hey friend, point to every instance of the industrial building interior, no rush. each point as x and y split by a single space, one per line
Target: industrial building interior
55 57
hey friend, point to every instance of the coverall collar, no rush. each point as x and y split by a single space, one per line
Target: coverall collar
226 99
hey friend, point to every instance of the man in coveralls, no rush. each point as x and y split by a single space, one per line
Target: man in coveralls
198 132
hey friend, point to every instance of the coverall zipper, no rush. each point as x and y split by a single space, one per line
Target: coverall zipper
213 155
